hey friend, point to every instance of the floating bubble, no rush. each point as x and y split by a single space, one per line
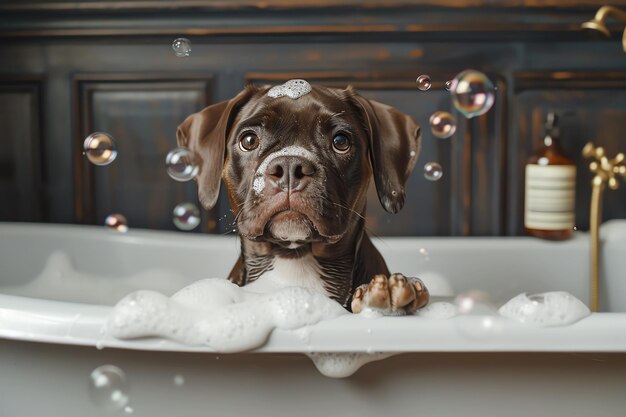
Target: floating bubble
424 255
117 223
179 380
182 47
186 216
433 171
108 388
423 82
182 164
474 302
100 148
448 85
477 315
472 93
442 124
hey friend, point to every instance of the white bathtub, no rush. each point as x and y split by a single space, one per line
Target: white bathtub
49 333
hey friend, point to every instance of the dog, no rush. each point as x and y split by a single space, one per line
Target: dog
296 161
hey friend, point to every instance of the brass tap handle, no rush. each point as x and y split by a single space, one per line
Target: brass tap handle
606 172
606 169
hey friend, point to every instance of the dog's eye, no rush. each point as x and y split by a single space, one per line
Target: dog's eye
341 143
248 142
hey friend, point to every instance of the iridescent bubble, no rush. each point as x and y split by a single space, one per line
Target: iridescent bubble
186 216
473 93
474 302
182 164
117 223
433 171
478 317
448 85
108 388
442 124
424 255
179 380
182 47
423 82
100 148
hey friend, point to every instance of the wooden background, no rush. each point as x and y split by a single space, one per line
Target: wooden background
70 68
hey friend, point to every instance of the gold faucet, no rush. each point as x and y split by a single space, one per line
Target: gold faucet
598 24
606 172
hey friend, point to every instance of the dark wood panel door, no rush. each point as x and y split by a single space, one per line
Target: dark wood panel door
20 160
142 114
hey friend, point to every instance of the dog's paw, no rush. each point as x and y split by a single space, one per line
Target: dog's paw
396 295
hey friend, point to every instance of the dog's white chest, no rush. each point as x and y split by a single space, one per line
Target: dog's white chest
302 272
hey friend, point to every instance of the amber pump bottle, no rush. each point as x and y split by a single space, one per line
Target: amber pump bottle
550 197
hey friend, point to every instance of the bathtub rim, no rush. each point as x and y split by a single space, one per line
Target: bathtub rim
46 321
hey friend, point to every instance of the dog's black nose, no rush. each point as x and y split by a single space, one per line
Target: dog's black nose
290 173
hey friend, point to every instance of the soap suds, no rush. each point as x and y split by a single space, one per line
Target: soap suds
293 89
557 308
218 314
342 365
226 318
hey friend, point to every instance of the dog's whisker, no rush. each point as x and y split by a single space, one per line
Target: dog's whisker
344 207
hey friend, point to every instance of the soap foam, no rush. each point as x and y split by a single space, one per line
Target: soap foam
218 314
342 365
557 308
293 89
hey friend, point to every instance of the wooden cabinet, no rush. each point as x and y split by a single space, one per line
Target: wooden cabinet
71 68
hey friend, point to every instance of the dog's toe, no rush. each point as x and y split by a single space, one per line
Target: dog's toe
377 293
422 296
357 299
401 290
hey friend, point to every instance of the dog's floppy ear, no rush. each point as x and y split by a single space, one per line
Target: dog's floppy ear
206 133
394 143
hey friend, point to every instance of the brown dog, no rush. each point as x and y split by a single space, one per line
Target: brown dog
297 161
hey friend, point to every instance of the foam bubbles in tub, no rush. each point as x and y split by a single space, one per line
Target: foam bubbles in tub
218 314
557 308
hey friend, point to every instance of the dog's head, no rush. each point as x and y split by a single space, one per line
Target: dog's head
297 166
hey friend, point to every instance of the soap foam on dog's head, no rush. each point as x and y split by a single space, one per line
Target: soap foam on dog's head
293 89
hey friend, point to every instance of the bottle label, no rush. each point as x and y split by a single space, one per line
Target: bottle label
550 197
